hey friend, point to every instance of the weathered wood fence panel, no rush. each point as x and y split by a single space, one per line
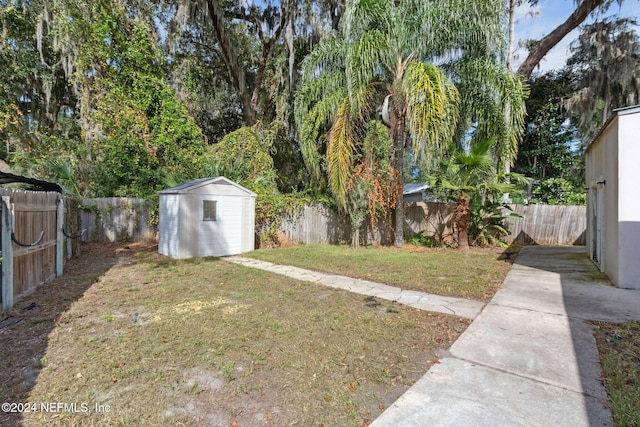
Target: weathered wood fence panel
127 219
115 219
434 219
32 241
548 225
316 224
541 224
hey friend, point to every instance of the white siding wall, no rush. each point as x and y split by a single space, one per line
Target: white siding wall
168 226
628 201
223 236
248 224
600 164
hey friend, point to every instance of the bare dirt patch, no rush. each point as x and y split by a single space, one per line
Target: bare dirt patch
23 345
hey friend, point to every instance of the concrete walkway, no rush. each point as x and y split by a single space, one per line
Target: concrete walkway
528 359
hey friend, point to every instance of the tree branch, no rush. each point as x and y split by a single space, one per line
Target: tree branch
553 38
267 45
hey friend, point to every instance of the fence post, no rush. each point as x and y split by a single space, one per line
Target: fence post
7 254
60 239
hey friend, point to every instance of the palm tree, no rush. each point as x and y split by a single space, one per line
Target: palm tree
408 56
472 175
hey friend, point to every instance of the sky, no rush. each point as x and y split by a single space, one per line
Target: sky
537 21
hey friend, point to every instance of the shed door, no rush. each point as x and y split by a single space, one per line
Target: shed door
220 226
210 229
596 225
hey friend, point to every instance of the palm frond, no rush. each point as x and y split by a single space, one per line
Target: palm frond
454 27
321 92
341 147
314 125
364 65
431 108
494 100
362 15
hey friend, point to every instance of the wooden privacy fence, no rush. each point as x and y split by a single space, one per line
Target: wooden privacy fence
33 241
115 219
430 218
315 224
548 225
541 224
127 219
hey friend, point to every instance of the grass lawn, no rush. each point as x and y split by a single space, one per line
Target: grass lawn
476 274
208 343
619 348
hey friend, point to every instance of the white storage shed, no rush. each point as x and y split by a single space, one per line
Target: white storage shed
206 217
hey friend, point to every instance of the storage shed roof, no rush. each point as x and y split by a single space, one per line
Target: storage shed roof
617 112
197 183
415 188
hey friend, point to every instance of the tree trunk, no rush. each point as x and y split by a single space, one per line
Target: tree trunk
512 30
463 214
553 38
398 135
216 15
355 236
267 45
399 230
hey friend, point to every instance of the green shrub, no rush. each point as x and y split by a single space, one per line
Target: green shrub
557 191
421 239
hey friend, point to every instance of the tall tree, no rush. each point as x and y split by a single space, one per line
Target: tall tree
605 66
270 40
36 103
245 39
549 148
130 118
387 50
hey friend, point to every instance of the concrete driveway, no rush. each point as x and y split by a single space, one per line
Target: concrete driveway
529 358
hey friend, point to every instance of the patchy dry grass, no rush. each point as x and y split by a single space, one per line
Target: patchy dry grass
476 274
207 343
619 347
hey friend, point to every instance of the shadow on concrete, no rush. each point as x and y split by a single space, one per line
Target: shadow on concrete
584 295
510 253
581 240
524 239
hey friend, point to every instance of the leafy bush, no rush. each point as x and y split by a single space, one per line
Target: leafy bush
421 239
244 156
489 222
557 191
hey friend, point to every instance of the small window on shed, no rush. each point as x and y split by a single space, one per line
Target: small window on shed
209 210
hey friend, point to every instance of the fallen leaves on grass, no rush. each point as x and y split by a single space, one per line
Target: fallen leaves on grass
176 351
